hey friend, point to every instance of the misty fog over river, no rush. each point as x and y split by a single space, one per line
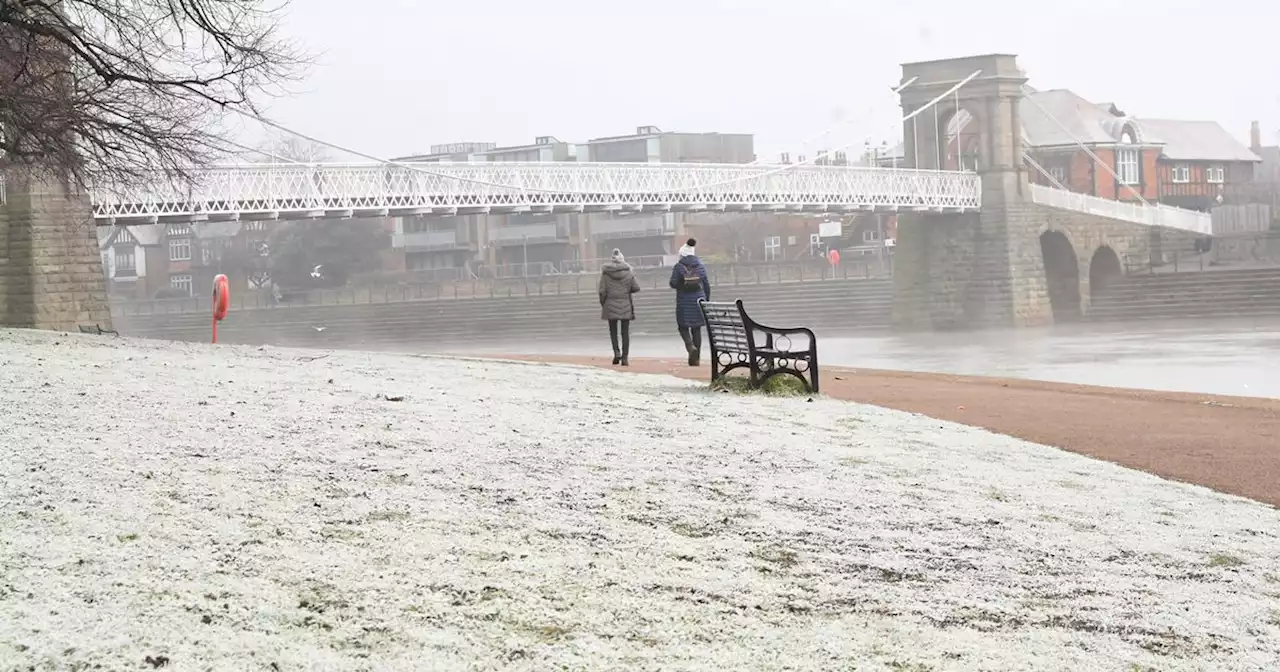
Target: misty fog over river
1237 357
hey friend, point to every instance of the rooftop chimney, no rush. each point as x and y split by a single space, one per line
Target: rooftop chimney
1255 136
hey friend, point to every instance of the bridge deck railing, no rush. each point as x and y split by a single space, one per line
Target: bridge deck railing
1150 215
312 190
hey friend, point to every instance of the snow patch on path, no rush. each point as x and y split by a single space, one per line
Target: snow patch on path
241 508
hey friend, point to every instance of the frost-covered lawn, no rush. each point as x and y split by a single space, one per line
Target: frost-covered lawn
237 509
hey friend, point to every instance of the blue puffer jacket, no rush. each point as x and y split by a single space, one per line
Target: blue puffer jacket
687 312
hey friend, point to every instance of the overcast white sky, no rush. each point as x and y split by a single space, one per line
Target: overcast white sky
395 76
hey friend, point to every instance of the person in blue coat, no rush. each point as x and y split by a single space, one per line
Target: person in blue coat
689 279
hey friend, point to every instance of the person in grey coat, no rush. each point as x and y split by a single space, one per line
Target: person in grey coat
617 284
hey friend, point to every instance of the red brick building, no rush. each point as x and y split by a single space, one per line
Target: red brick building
1097 149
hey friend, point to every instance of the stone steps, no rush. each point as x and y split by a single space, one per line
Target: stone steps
1188 295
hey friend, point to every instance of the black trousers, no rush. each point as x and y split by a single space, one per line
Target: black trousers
625 325
692 337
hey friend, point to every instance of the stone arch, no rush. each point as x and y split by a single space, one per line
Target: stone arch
1062 275
959 138
1104 270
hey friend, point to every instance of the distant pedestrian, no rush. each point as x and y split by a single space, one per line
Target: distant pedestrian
689 279
617 284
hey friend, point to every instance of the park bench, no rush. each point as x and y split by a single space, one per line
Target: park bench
736 342
97 330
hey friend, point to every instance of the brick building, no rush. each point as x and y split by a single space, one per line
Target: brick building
181 259
1188 164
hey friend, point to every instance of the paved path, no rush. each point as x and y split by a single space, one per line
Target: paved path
1230 444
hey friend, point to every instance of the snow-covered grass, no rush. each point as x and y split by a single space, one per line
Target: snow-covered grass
232 509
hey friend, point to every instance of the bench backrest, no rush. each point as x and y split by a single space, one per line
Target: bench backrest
725 328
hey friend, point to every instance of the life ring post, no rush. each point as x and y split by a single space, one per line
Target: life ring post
221 301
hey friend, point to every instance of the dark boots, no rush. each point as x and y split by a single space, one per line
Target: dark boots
692 343
620 354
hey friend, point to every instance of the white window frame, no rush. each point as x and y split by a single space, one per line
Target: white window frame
772 247
1181 173
179 249
791 241
1129 165
1059 175
182 282
870 236
1215 175
123 253
206 255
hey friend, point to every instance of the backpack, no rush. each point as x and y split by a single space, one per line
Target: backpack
691 280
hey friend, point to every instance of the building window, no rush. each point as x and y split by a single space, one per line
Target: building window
791 241
206 255
125 260
772 247
416 225
1182 173
870 235
181 283
815 244
1127 166
179 249
1058 174
1214 175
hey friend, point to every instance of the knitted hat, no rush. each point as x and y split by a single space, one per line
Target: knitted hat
687 250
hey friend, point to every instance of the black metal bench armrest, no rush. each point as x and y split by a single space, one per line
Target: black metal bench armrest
781 331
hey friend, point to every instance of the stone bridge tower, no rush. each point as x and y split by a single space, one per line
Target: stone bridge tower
968 270
50 269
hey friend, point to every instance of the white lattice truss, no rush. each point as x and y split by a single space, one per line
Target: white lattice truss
264 191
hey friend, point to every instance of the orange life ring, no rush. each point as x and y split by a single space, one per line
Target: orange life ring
221 296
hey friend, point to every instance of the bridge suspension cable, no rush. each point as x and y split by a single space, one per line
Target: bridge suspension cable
1026 95
804 143
1027 157
263 120
791 166
417 169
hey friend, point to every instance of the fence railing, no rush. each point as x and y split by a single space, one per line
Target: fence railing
1151 215
581 283
640 262
1229 252
290 190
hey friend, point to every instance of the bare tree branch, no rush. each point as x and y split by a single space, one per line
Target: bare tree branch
284 147
107 92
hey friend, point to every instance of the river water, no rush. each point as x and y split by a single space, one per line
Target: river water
1236 357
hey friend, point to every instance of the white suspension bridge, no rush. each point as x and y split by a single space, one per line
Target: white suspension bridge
296 191
383 188
263 191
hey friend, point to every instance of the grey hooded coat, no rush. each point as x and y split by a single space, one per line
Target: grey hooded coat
617 284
